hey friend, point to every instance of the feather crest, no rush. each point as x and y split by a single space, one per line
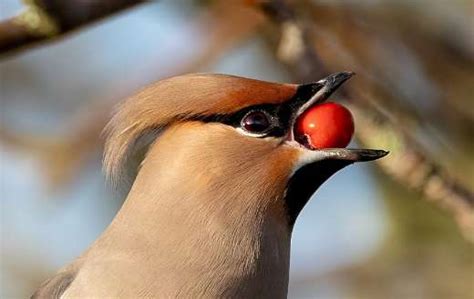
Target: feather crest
138 121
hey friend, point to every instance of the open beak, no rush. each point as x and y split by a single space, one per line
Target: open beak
315 166
315 93
312 94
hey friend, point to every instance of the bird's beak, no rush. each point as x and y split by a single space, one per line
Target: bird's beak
311 94
315 166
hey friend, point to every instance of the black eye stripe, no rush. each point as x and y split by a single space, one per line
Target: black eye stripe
281 114
278 114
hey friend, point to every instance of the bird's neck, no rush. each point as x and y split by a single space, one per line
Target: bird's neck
200 241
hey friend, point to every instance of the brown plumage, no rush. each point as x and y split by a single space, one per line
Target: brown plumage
211 205
180 98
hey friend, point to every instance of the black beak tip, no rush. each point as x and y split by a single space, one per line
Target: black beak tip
327 86
335 80
343 76
354 155
365 155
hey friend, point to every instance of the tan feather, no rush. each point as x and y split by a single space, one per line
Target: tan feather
204 219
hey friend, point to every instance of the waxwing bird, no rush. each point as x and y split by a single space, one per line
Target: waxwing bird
216 179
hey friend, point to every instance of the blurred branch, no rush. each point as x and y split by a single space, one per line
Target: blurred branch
385 44
293 48
46 20
409 163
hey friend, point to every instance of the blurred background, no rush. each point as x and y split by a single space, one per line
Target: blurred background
402 228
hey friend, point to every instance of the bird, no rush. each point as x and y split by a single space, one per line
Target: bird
216 179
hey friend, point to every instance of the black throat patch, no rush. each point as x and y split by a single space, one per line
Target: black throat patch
305 182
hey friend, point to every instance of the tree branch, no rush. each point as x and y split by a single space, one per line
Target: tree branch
46 20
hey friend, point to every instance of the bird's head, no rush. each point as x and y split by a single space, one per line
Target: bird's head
225 140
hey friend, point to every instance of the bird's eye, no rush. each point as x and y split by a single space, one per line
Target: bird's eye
256 122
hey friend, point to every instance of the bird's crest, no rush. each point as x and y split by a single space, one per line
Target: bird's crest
139 119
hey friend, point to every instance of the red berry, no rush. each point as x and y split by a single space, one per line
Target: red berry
327 125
